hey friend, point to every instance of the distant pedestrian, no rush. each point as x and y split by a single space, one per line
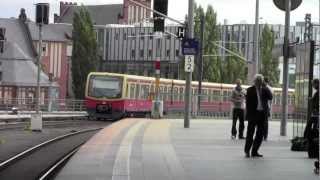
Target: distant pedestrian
257 108
237 97
269 116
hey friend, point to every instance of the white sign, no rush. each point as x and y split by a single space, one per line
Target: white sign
189 63
181 32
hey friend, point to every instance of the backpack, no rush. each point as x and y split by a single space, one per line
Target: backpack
299 144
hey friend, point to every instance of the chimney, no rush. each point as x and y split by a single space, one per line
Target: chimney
64 6
22 15
56 18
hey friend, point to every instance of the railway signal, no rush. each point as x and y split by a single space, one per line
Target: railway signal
159 21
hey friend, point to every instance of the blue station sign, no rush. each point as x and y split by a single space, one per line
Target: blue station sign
190 47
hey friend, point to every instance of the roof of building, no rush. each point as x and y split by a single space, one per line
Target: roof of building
17 43
51 32
100 14
18 67
22 73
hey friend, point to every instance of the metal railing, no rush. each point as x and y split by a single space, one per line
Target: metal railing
46 105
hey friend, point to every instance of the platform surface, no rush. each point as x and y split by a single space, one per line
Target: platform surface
144 149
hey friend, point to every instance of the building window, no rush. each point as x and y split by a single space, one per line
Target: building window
141 53
117 36
151 36
142 36
133 53
177 52
0 76
168 53
1 46
150 53
45 49
125 36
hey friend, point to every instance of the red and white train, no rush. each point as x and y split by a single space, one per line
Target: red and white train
110 95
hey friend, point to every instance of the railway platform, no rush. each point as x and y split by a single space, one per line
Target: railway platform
144 149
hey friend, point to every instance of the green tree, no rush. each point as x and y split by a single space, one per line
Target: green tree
268 62
84 55
211 64
233 68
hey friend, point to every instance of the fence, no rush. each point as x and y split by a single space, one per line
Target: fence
46 105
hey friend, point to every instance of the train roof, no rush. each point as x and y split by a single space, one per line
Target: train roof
175 81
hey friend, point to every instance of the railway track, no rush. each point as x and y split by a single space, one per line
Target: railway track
47 124
43 160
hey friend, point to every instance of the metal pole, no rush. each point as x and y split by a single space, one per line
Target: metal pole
156 113
158 55
200 67
256 41
188 74
283 127
39 70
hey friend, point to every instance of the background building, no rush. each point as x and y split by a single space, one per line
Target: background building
126 13
132 49
242 36
18 72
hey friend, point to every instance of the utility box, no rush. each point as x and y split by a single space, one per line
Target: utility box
36 122
157 109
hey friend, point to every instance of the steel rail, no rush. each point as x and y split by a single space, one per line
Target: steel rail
32 149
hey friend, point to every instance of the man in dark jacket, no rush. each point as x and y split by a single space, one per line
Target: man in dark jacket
257 107
311 132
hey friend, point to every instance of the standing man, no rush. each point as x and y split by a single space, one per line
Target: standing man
237 97
269 116
257 99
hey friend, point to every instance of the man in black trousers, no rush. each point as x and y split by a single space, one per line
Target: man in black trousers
257 107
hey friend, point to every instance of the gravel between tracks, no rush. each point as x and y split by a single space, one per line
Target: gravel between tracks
15 141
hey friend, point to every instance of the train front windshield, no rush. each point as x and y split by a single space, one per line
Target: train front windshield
108 87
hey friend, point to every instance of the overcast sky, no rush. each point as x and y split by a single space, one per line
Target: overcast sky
235 11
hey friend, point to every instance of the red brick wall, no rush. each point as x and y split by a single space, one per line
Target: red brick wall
55 61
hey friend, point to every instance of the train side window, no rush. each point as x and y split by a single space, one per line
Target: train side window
165 93
175 94
127 91
278 99
216 95
132 89
225 96
181 94
137 95
161 92
144 92
204 95
209 95
147 90
170 93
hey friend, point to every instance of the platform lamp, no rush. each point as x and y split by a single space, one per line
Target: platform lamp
42 17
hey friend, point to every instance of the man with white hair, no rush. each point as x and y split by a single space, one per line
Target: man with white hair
257 107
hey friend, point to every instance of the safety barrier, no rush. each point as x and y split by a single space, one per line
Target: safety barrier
46 105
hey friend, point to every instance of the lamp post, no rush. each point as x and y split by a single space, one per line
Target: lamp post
190 34
256 41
